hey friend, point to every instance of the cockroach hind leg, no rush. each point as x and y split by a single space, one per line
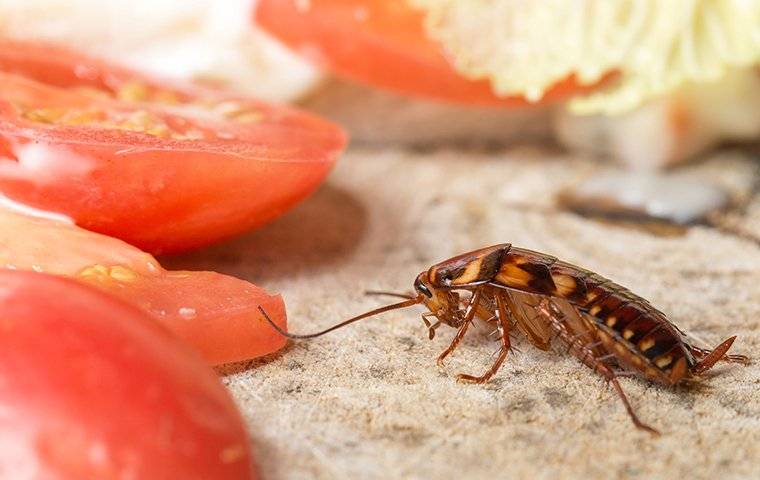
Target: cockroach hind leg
631 413
737 358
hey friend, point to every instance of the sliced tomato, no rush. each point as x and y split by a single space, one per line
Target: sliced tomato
92 388
216 314
163 166
381 43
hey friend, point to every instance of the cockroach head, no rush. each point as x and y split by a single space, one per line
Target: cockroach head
442 302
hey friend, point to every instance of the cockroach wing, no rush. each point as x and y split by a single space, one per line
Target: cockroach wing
530 322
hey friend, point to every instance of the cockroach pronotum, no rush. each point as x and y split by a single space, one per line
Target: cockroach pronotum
604 325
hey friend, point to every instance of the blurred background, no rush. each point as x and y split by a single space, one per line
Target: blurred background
682 81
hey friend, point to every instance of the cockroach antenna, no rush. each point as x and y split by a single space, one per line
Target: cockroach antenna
395 306
388 294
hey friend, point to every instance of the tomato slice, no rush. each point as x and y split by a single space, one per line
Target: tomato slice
215 314
166 167
381 43
92 388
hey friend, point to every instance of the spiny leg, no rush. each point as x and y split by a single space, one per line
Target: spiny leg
468 316
599 365
481 310
586 355
639 424
503 351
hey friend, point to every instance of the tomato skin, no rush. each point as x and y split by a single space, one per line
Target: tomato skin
382 43
215 314
92 388
162 201
161 194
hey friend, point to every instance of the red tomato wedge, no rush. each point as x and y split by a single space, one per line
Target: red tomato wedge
92 388
163 166
381 43
215 314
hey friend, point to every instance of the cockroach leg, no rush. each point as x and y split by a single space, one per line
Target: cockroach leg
742 359
454 343
624 374
468 317
594 345
604 358
586 355
464 378
638 423
582 334
503 351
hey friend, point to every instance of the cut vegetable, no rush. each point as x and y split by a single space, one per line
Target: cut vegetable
382 43
524 48
93 389
216 314
165 167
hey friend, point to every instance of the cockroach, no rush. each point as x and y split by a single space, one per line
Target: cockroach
604 325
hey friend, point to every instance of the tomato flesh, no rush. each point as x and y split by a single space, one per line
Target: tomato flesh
165 167
381 43
216 314
93 388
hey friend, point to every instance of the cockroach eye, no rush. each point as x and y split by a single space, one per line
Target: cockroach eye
421 287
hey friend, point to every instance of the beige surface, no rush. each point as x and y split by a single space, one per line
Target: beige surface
369 402
376 117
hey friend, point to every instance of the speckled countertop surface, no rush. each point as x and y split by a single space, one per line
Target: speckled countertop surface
369 402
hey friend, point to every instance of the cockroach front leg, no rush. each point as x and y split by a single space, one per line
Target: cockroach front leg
468 317
504 323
